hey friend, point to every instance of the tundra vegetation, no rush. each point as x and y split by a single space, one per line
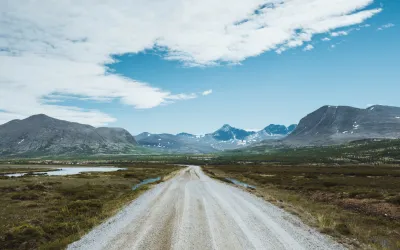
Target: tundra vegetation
49 212
350 191
358 204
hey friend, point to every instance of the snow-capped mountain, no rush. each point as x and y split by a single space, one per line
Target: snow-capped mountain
227 133
227 137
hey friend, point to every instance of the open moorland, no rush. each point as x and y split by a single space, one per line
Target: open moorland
350 192
371 151
49 212
357 204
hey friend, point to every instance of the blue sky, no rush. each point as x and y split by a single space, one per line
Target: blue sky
362 69
258 82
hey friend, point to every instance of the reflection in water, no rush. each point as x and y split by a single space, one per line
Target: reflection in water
239 183
69 171
144 182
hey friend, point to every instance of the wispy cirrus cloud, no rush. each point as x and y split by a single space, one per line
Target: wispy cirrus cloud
207 92
386 26
61 47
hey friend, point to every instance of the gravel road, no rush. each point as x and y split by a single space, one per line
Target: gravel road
193 211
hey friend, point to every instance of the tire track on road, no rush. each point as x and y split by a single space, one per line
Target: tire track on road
193 211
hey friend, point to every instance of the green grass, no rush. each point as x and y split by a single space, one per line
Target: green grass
347 202
383 151
49 212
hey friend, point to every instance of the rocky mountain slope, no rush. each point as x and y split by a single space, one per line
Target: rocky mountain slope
227 133
339 124
227 137
41 135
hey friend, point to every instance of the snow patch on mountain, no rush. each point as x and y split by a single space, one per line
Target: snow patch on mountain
225 138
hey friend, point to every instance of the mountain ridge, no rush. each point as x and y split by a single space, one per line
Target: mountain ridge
43 135
340 124
226 137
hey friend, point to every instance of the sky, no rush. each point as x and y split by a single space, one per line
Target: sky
168 66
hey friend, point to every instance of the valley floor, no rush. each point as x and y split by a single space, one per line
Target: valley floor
359 205
49 212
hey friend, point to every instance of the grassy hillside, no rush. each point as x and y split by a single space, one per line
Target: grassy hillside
365 151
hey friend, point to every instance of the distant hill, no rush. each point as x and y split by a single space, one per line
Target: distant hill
169 143
227 137
41 135
186 135
339 124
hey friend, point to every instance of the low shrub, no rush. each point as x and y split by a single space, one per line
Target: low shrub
129 175
27 233
329 184
342 229
25 196
84 206
394 200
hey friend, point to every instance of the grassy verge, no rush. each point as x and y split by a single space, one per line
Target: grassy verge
40 212
358 205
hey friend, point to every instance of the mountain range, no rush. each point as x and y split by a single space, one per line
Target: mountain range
40 135
225 138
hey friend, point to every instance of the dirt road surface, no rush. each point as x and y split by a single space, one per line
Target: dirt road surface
193 211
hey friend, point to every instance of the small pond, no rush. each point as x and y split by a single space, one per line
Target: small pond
69 171
239 183
144 182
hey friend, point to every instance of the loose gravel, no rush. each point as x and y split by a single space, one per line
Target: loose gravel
193 211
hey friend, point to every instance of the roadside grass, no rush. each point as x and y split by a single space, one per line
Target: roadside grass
358 205
49 212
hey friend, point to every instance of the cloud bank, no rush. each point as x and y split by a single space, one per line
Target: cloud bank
52 51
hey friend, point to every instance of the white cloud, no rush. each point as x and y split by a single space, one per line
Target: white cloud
308 47
280 50
207 92
50 48
386 26
339 33
325 39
